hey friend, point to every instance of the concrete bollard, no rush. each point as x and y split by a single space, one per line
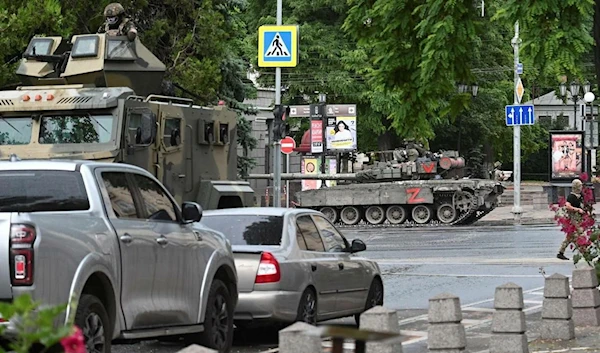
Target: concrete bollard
194 348
585 297
557 309
446 332
508 321
380 319
297 338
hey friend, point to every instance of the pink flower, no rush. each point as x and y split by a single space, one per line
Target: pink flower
583 177
583 241
562 201
74 343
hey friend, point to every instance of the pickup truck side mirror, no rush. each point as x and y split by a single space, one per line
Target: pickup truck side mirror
358 246
191 212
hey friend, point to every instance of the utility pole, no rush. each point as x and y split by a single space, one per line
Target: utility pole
277 142
516 135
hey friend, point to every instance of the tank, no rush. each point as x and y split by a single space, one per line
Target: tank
99 97
409 186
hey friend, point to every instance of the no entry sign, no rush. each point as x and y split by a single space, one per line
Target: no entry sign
287 145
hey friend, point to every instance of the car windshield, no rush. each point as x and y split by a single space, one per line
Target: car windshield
82 128
247 229
15 131
42 190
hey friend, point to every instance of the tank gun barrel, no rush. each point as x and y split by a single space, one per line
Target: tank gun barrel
300 176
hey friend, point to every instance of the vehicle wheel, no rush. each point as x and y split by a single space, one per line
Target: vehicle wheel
330 213
350 215
374 298
446 213
218 321
91 317
375 215
421 214
307 309
395 214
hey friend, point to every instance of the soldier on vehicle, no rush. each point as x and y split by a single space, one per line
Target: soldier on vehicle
116 23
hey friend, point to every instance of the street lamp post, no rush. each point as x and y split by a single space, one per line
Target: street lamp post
589 98
462 88
322 103
574 90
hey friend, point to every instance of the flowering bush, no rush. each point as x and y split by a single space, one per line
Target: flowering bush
35 327
581 230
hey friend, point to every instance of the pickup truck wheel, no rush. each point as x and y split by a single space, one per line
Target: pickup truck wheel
218 321
92 319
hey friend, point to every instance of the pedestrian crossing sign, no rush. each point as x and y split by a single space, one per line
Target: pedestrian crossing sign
278 46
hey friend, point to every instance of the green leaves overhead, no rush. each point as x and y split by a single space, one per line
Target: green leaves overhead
556 34
418 51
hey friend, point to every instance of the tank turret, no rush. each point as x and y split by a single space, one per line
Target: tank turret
92 59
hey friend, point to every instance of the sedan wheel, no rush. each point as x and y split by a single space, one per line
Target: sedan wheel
307 309
374 298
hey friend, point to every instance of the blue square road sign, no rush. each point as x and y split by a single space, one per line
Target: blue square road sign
278 46
519 115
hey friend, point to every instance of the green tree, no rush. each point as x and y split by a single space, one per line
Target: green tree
419 50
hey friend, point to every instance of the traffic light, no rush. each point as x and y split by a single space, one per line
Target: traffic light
280 126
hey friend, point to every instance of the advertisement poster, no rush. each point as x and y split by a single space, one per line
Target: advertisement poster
312 165
341 133
316 136
566 155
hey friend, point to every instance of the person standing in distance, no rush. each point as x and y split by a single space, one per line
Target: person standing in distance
573 205
116 23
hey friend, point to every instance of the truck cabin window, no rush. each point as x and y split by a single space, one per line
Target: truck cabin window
15 131
84 128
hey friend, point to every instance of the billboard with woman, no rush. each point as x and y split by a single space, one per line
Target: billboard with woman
566 155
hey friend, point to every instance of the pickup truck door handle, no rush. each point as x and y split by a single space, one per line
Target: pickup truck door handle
126 238
162 240
313 267
341 265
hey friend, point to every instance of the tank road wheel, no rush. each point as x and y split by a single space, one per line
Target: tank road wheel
330 213
395 214
375 215
446 213
350 215
421 214
463 200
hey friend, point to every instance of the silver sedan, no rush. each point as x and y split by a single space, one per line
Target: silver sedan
294 265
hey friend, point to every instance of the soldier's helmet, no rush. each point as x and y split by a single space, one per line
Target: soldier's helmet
113 12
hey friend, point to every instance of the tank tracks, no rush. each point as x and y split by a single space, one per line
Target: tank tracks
464 204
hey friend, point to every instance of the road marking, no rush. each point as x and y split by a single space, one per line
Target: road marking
473 261
532 302
483 322
470 305
455 275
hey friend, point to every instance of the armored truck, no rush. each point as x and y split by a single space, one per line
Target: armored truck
99 97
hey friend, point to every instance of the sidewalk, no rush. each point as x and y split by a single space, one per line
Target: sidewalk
531 215
587 339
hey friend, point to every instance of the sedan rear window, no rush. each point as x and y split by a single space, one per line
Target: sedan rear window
247 230
42 191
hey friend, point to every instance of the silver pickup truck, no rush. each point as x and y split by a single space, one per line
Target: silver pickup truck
112 237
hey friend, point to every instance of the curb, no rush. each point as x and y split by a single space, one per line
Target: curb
510 222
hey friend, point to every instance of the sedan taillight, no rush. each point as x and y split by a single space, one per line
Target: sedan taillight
268 269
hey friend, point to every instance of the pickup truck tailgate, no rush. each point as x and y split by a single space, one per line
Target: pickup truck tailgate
246 264
5 285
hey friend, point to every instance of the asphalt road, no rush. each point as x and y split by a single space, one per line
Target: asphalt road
418 264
